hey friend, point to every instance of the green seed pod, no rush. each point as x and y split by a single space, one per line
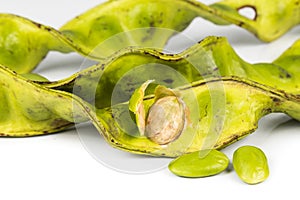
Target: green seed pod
196 165
270 20
25 43
134 23
35 77
215 53
28 109
250 164
40 110
221 110
243 98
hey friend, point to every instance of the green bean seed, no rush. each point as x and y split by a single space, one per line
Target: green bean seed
197 165
250 164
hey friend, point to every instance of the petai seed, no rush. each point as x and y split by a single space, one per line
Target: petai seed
165 121
193 165
250 164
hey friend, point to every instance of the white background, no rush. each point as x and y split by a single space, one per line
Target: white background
58 166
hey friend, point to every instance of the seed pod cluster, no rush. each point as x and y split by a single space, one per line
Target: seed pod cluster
166 117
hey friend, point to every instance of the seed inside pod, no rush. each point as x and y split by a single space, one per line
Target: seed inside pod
165 121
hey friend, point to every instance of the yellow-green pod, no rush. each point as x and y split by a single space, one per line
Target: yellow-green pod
35 77
113 25
197 164
250 164
210 113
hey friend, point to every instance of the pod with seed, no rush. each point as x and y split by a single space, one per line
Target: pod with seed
243 95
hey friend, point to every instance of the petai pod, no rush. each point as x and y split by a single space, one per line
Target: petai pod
241 101
195 165
119 75
250 164
145 23
244 101
115 78
271 18
29 109
140 23
60 109
25 43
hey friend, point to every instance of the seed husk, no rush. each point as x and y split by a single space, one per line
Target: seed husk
165 121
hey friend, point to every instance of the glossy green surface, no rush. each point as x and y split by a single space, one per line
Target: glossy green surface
251 164
196 165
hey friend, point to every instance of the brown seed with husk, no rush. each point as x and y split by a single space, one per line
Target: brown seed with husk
166 120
